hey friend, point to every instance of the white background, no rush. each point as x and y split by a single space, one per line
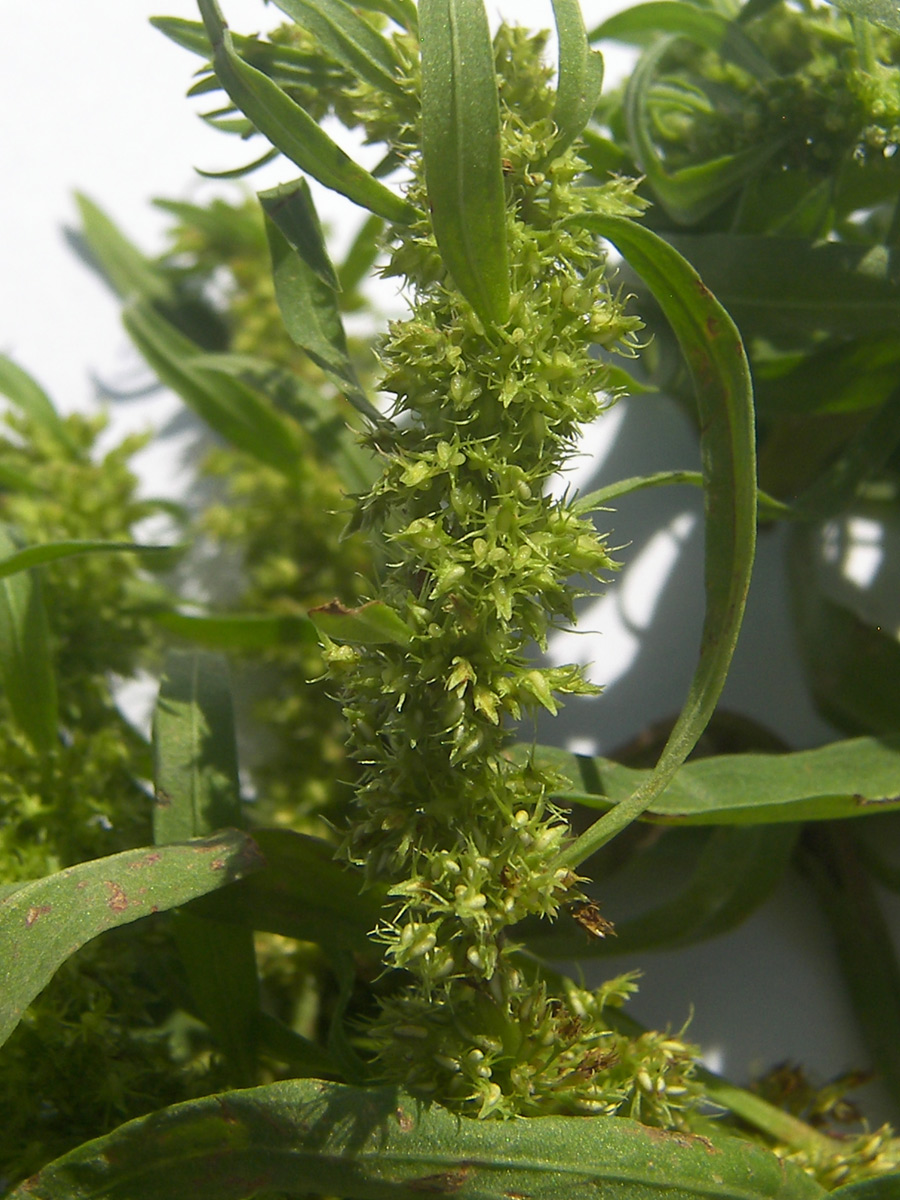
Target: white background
93 99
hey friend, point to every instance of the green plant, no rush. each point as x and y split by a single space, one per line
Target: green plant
411 1036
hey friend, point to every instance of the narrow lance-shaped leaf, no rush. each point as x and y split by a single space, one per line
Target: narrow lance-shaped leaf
197 792
362 254
715 356
692 192
788 285
860 460
769 507
238 631
862 937
240 172
461 152
128 272
28 395
322 416
43 922
303 892
579 78
880 12
641 23
853 778
292 129
47 552
26 665
311 317
346 38
290 206
882 1187
379 1144
231 409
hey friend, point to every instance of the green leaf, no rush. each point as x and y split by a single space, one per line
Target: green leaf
580 75
45 921
197 792
302 892
311 316
299 1136
323 417
461 152
27 394
238 631
852 662
861 459
736 871
769 507
189 35
884 1187
401 11
290 206
240 172
715 356
226 405
26 664
690 193
371 624
862 938
346 38
47 552
853 778
840 377
128 272
302 1055
782 286
362 254
292 130
641 23
196 771
880 12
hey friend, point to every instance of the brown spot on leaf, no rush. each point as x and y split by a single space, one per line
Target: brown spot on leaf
443 1183
405 1121
162 798
873 801
117 901
712 326
334 608
36 912
680 1139
147 861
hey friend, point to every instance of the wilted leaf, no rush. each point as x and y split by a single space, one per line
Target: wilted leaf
370 624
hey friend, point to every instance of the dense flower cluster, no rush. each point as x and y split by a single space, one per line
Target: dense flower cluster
483 562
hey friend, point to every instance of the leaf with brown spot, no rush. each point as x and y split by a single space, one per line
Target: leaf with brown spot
304 1135
44 921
